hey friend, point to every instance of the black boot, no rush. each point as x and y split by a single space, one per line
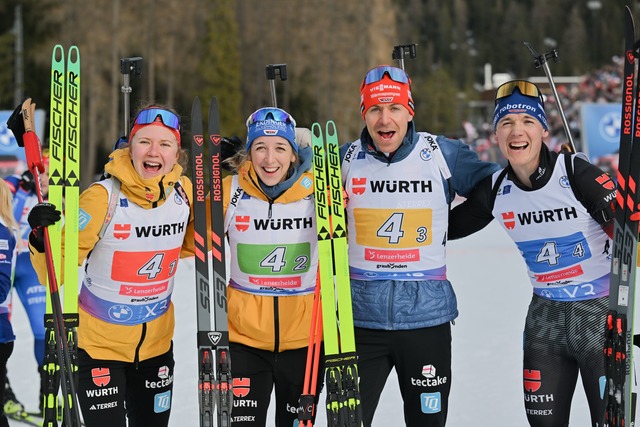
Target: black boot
11 405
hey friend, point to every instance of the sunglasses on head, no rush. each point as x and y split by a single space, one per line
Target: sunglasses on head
150 115
526 88
272 113
376 74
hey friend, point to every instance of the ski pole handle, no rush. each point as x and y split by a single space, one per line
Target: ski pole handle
543 61
32 145
271 71
399 52
129 66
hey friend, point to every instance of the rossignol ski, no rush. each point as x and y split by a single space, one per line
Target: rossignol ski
214 362
342 388
618 351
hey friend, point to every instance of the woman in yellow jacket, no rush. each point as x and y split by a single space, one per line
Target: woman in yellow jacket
271 228
125 354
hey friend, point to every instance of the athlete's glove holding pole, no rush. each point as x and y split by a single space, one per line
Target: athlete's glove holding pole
42 215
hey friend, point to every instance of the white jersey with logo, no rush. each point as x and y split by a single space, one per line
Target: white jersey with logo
130 272
568 255
396 215
275 247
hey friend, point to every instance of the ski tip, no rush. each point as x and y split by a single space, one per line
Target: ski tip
74 52
331 129
316 130
57 55
196 104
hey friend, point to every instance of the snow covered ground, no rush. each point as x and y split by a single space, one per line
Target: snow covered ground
493 294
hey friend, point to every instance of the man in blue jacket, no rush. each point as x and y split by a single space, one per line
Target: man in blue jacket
399 184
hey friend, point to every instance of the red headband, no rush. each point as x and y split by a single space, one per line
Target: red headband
157 122
385 91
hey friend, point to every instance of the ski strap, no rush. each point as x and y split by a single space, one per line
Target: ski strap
568 161
111 207
114 194
434 148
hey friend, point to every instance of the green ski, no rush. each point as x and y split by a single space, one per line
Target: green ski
64 190
343 395
56 185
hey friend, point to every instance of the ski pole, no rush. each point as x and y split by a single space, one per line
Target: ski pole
129 66
543 61
272 70
399 52
33 153
307 406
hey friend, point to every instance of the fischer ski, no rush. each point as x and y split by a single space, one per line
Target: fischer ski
51 365
343 394
71 218
620 402
214 362
61 320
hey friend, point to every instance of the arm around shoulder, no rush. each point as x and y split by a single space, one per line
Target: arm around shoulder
467 170
474 213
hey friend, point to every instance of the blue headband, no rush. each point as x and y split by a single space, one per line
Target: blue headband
516 103
271 122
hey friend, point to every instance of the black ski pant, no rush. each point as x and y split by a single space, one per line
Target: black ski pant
255 373
110 392
422 360
5 351
562 339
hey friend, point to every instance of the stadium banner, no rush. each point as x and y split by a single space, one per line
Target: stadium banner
600 129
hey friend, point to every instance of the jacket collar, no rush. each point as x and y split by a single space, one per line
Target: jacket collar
147 193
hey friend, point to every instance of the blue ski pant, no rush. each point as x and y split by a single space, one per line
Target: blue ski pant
33 296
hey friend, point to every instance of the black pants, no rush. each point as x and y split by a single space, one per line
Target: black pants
5 351
255 373
111 392
560 340
422 359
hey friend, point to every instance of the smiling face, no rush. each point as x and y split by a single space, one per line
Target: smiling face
154 151
520 138
387 124
271 157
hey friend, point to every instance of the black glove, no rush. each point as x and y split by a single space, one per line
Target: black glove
27 182
41 215
16 125
230 147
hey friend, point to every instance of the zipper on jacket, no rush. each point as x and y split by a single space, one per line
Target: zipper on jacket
276 327
136 359
269 199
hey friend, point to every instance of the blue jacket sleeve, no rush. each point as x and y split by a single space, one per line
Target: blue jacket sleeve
7 247
467 170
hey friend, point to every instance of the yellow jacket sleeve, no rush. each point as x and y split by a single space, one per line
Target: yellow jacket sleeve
93 209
